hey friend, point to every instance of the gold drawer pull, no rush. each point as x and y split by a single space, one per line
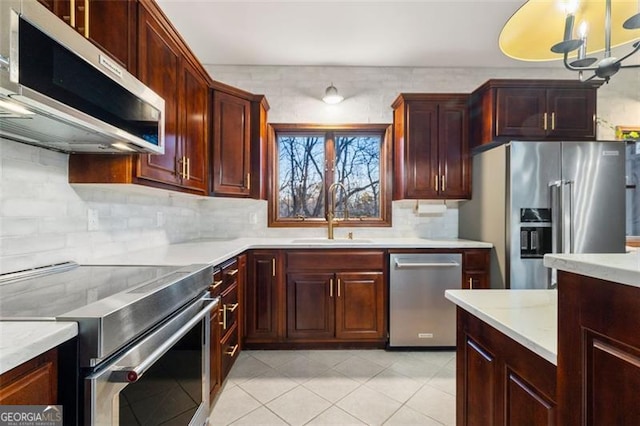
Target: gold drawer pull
273 267
223 312
331 287
471 283
232 273
232 352
231 307
216 284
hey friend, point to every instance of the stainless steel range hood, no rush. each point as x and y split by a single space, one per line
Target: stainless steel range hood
59 91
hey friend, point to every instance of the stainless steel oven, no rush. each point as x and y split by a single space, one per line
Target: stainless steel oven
162 379
143 341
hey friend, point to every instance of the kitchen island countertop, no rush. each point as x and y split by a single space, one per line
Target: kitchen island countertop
530 317
22 340
215 251
623 268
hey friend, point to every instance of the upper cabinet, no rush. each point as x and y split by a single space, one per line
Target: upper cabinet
239 127
167 66
502 110
110 24
431 146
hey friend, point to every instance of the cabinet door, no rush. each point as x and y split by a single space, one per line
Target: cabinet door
421 150
478 387
231 139
158 63
33 383
311 306
526 406
572 113
194 129
475 280
262 297
453 149
112 26
520 112
360 308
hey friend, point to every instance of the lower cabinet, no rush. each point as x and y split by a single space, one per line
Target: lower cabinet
317 298
34 382
476 269
499 381
226 324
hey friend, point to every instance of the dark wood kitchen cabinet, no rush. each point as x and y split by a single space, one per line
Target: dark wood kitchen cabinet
109 24
476 268
499 381
168 68
341 298
34 382
263 298
503 110
239 143
228 283
598 351
431 146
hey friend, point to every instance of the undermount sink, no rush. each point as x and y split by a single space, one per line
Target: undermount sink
334 241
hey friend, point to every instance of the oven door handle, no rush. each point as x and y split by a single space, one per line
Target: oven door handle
132 374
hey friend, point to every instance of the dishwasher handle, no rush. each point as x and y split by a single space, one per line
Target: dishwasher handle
400 264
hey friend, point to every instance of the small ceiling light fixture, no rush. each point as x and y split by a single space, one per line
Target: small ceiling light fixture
531 34
331 95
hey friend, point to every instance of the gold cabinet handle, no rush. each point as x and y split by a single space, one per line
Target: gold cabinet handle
232 352
331 287
273 267
223 311
232 273
248 181
545 121
232 307
553 121
85 30
72 13
216 284
471 283
338 287
443 183
188 168
435 183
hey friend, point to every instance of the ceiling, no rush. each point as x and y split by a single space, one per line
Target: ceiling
420 33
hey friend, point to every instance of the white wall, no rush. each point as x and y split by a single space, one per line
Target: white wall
43 219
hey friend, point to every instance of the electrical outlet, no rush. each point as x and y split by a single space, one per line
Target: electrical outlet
93 220
159 219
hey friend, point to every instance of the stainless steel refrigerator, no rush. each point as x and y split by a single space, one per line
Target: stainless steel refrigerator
532 198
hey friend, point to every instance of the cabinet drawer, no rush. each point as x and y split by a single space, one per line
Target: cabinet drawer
216 286
229 350
476 260
335 260
230 273
229 309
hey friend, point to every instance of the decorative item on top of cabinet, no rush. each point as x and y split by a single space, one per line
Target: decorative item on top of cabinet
503 110
499 381
239 152
431 146
167 67
264 299
109 24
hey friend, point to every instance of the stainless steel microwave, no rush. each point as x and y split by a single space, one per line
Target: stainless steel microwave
58 90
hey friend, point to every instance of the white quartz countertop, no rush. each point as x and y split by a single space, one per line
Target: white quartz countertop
622 268
21 341
216 251
530 317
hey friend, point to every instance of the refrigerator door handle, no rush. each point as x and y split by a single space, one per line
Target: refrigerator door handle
567 210
555 193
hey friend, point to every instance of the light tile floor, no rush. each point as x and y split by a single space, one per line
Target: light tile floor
339 387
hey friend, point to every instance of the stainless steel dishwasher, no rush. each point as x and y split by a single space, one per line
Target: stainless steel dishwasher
419 313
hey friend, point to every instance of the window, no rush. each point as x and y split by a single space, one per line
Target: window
311 160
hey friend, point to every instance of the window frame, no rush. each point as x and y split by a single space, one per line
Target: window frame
329 130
